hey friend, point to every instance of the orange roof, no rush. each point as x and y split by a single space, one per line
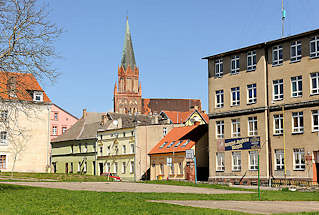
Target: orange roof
174 141
181 117
24 85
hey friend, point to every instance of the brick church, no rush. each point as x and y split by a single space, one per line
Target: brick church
128 91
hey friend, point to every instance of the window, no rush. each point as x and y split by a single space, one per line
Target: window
252 126
181 169
277 58
54 130
299 159
124 149
219 98
169 145
278 124
85 148
253 160
115 167
108 150
124 134
164 131
172 169
179 143
235 128
236 161
108 167
3 115
235 96
123 167
220 129
162 169
251 61
186 142
132 149
315 120
101 150
3 161
71 167
295 51
56 116
37 96
314 47
72 148
3 137
314 83
297 122
252 94
235 65
79 166
85 166
280 160
63 129
278 90
220 159
132 167
80 148
296 86
219 68
162 146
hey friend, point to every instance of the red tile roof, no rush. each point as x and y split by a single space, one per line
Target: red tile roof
174 141
24 84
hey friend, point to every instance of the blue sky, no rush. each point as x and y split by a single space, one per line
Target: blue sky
169 40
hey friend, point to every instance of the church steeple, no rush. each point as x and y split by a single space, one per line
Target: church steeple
128 58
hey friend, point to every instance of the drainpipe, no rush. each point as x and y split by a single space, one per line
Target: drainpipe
269 157
49 155
135 142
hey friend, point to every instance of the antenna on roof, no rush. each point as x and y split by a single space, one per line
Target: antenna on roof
283 17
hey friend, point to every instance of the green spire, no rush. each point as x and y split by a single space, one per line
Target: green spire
128 58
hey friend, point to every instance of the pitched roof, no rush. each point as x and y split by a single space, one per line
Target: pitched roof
23 84
84 128
129 120
128 58
65 111
154 105
179 139
177 117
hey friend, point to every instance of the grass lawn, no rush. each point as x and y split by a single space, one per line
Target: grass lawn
52 176
32 200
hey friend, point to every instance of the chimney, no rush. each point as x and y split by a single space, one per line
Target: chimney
84 113
103 119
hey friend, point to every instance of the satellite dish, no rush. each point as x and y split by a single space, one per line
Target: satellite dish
115 122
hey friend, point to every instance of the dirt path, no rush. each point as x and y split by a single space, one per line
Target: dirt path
125 187
256 207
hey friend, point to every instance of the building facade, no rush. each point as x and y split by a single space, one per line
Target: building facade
264 100
24 124
60 121
168 158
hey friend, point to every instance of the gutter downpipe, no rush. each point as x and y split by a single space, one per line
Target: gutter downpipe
49 155
135 142
269 163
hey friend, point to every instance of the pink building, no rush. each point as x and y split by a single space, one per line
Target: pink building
60 121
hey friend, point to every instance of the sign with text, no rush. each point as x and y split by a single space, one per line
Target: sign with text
245 143
190 154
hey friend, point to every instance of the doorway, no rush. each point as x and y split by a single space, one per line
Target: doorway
101 168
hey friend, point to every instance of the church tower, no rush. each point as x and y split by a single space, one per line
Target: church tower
127 91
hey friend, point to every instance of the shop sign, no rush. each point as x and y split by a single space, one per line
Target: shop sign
190 154
245 143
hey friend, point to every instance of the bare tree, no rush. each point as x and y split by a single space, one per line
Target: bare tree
27 40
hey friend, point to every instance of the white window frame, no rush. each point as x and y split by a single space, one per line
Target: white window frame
299 159
161 168
235 127
3 164
108 167
295 47
279 160
54 130
234 65
124 149
219 98
235 96
4 138
115 167
296 82
3 115
181 168
280 119
123 167
220 161
252 126
38 96
277 55
219 68
315 41
253 160
251 55
315 120
132 167
132 148
64 129
314 77
164 131
279 85
251 94
298 118
236 161
220 129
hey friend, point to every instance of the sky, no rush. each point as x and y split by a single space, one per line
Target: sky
169 39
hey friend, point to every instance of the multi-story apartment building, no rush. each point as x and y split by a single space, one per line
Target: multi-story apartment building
264 100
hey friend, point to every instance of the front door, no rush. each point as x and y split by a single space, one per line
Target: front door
101 168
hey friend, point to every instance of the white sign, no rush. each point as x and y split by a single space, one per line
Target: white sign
169 161
190 154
